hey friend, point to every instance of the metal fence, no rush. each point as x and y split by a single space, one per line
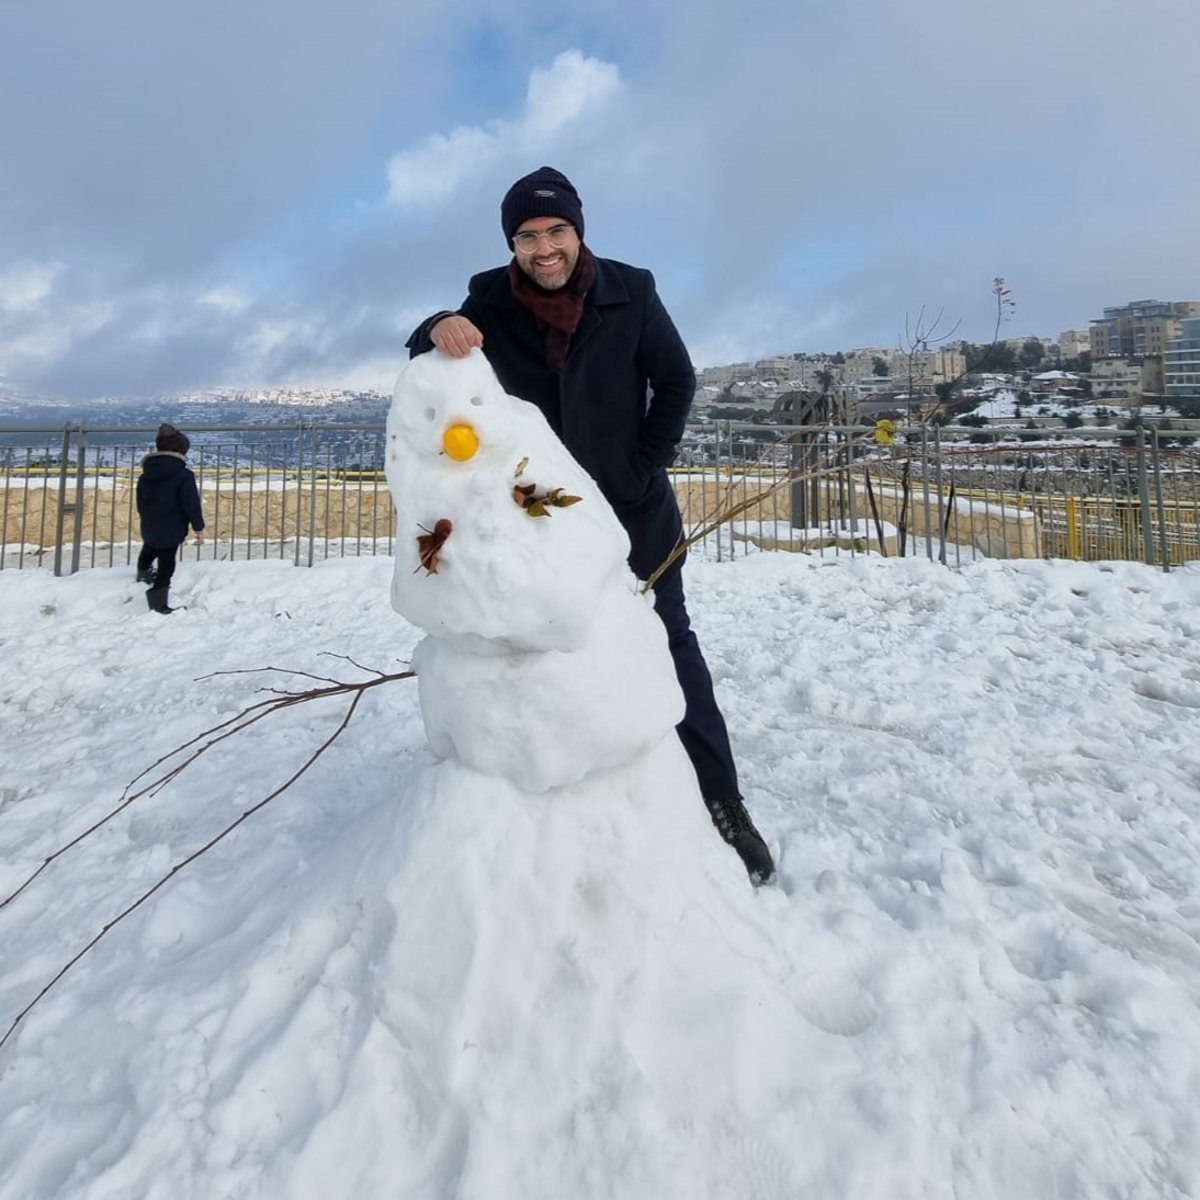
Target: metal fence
300 493
955 493
313 491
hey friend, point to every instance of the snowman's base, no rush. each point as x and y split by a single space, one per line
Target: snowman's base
604 927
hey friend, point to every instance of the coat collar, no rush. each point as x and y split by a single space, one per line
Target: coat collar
609 287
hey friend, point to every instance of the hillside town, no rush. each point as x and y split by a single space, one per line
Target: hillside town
1144 354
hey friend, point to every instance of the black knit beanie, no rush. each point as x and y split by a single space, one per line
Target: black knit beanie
169 438
542 193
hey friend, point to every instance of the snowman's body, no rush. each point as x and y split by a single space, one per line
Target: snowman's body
536 628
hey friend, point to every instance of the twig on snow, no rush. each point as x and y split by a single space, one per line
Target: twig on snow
225 729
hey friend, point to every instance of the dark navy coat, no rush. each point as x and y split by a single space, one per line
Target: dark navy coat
620 402
167 500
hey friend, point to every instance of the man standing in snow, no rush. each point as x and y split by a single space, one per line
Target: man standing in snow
167 503
588 341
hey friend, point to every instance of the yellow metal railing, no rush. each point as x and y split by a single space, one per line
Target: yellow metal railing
1094 528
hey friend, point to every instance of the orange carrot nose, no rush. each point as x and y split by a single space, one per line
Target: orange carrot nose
460 442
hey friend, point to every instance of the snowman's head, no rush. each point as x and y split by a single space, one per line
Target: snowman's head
453 409
463 459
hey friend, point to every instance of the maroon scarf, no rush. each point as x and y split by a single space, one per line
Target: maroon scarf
559 312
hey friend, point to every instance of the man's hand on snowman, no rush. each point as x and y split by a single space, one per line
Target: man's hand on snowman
455 335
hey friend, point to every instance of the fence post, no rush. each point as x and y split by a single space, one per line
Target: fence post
799 499
925 464
723 451
312 501
851 490
1156 461
1074 540
62 499
8 461
1144 499
80 469
299 488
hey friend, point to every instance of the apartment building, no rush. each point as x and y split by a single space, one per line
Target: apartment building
1050 348
1074 342
727 376
1181 363
860 363
1141 329
928 367
1118 379
774 370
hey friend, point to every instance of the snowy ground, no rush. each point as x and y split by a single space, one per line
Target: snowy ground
978 975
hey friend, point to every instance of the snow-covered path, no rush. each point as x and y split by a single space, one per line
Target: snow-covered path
978 976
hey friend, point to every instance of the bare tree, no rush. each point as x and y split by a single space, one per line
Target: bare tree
921 334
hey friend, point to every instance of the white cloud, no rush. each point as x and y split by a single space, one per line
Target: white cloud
564 93
265 338
432 171
24 286
557 98
225 299
42 338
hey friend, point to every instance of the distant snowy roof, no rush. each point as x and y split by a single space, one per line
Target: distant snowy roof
1056 375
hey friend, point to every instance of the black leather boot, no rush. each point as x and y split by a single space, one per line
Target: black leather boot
735 826
156 600
147 576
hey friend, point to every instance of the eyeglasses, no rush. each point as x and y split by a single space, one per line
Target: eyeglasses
557 235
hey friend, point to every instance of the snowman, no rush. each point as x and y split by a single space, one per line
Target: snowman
515 566
559 896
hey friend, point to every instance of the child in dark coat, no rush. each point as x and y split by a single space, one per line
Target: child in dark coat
167 503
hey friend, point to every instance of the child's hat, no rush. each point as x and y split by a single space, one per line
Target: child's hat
170 438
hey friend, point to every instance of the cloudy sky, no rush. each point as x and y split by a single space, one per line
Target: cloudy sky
256 191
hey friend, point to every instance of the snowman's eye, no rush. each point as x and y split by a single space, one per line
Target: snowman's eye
431 414
477 401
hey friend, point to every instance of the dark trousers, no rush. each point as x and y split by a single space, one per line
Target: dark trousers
702 730
165 558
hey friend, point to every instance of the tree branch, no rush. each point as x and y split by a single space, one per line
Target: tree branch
216 734
357 689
